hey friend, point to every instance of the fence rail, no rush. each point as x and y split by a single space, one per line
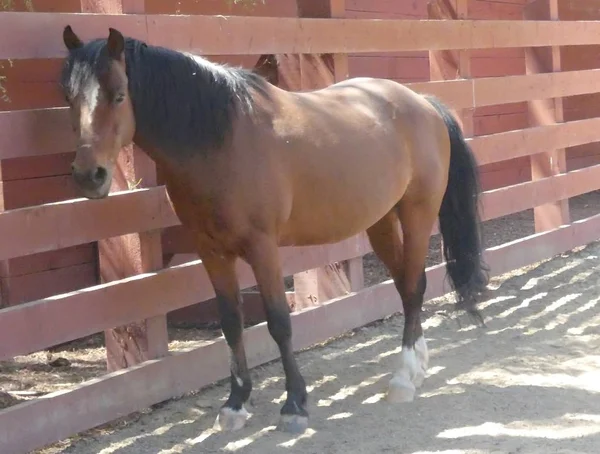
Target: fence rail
123 392
238 35
54 133
39 324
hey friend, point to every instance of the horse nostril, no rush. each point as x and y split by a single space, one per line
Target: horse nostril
99 175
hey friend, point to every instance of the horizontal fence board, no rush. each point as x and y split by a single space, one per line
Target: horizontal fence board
519 197
543 245
53 133
509 89
240 35
148 295
53 128
63 224
491 91
524 142
123 392
26 426
39 324
58 225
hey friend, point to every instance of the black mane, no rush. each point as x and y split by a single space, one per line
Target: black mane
183 104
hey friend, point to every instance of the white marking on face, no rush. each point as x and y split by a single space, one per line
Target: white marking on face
88 107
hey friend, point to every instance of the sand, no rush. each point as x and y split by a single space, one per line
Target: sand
529 383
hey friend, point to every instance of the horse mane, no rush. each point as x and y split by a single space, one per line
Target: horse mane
183 104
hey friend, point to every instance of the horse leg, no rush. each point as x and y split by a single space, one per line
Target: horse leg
263 257
388 246
404 257
417 219
221 270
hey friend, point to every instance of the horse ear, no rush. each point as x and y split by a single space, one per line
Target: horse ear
70 39
115 44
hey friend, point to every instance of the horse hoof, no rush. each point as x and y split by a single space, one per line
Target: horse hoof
419 378
230 420
400 390
293 424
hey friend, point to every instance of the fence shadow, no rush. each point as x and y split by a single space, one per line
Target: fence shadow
530 376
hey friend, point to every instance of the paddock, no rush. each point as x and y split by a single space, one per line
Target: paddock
92 315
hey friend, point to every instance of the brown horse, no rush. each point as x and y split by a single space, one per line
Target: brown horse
250 167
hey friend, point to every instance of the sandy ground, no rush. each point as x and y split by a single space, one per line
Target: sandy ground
529 383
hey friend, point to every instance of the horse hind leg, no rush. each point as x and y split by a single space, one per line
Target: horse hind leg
404 257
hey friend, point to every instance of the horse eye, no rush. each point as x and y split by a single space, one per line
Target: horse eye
119 98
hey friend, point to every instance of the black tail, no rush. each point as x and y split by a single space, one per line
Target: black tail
460 221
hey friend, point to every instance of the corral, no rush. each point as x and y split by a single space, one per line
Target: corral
531 118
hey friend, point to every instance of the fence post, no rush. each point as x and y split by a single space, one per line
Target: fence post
134 253
450 64
446 64
315 286
544 112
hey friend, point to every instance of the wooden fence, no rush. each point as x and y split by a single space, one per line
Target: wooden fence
153 292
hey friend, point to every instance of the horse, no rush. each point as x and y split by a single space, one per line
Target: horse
250 167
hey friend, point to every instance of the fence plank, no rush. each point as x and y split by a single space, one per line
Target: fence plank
26 426
58 225
64 224
37 325
151 294
53 134
531 194
524 142
240 35
490 91
52 128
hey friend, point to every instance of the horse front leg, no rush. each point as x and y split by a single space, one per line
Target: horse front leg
221 270
263 257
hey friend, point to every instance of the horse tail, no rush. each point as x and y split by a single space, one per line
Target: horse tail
460 221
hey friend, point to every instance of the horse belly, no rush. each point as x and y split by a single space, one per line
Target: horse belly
328 213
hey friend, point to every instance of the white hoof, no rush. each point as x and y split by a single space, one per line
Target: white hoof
419 378
293 424
230 420
400 390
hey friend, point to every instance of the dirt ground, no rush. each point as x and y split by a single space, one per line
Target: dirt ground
528 383
532 375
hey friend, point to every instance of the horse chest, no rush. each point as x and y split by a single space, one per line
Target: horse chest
206 216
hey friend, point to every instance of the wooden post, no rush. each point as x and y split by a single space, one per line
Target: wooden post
448 65
544 112
135 253
315 286
576 58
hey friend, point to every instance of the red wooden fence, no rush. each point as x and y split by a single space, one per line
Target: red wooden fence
150 293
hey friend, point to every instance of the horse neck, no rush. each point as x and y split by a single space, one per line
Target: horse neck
161 130
159 156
